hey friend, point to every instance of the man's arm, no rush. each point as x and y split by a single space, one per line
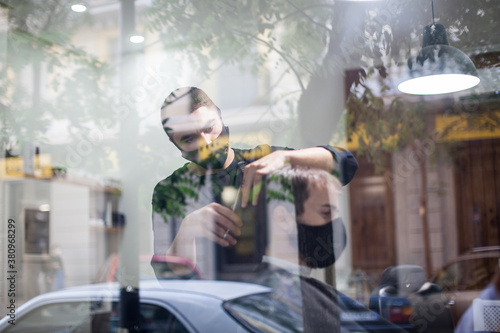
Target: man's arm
333 160
345 163
213 221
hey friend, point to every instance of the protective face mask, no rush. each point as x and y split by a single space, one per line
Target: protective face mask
213 155
320 246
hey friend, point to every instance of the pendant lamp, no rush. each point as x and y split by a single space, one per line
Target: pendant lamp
438 68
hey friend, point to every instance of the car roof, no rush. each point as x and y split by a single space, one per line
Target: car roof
222 290
186 298
478 253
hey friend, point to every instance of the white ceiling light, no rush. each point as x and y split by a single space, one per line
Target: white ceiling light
137 39
79 8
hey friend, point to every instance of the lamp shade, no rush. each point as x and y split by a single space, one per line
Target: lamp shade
438 68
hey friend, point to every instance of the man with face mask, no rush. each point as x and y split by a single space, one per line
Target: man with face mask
185 203
305 232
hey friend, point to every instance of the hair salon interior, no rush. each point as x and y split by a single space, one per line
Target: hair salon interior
411 88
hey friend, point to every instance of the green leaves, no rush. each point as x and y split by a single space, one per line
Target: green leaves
171 196
39 37
280 188
232 30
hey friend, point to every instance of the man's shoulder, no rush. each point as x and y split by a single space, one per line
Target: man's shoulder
175 176
172 194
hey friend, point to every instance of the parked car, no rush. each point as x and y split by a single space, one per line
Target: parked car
179 306
407 299
465 277
151 268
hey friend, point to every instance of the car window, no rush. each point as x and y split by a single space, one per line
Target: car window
266 313
470 274
64 317
449 277
93 317
156 319
477 273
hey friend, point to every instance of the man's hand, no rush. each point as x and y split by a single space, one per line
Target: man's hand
253 173
215 222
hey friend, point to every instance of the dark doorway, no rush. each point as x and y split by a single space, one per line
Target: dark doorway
477 183
372 217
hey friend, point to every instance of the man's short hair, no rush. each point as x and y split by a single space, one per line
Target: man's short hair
294 184
196 99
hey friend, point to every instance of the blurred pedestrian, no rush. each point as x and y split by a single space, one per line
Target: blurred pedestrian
58 280
491 292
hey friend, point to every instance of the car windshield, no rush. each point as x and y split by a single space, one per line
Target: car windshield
266 313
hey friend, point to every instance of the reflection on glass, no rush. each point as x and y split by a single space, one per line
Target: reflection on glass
80 134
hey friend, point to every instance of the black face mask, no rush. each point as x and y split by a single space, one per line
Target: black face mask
213 155
320 246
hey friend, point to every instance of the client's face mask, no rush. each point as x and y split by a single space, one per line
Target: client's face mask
213 155
320 246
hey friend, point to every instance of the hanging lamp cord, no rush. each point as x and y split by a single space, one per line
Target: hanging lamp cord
433 22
